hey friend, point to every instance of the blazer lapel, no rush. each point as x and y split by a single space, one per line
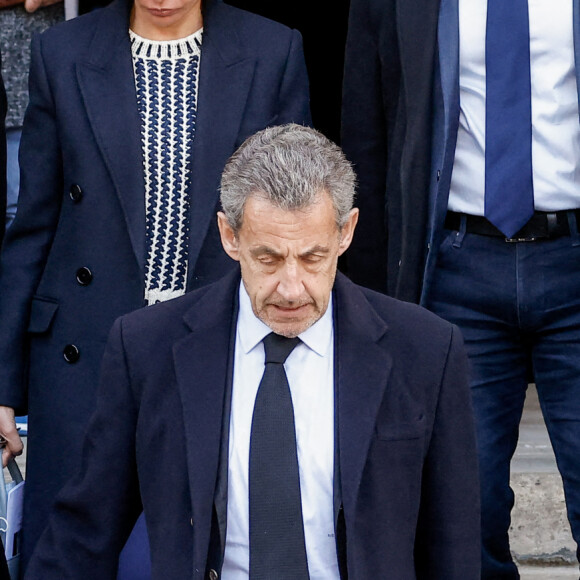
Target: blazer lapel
225 79
448 42
107 86
201 361
363 367
448 45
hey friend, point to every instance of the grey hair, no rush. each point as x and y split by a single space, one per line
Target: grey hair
290 166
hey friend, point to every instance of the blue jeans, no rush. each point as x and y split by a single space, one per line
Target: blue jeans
518 306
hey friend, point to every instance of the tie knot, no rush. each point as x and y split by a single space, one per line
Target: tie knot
277 348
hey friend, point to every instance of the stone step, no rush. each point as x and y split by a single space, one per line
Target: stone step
540 532
548 573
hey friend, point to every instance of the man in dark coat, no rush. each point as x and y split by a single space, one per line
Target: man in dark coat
381 443
463 121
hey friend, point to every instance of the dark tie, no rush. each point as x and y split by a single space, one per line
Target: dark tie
509 194
277 547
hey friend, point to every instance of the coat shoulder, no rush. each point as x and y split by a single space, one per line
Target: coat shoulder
168 321
408 322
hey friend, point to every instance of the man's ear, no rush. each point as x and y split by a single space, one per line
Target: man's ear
347 231
228 237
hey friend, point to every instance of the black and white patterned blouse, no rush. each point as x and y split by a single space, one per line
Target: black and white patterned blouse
166 78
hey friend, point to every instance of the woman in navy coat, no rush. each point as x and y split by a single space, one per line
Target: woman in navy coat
118 198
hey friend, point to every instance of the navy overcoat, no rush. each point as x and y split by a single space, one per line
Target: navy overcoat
74 258
406 487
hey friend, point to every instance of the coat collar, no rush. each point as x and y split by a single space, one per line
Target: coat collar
107 86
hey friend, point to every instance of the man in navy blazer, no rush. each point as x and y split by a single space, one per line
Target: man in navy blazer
463 121
396 481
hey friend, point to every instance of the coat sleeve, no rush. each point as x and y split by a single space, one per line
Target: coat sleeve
448 531
29 238
95 513
364 132
294 101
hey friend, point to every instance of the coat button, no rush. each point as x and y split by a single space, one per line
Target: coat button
75 192
213 575
84 276
71 353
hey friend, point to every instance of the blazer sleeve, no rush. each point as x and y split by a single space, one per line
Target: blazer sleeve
448 543
95 513
364 132
294 101
29 238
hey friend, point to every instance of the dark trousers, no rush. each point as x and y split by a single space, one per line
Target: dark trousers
518 306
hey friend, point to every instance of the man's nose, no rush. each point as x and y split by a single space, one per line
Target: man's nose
290 286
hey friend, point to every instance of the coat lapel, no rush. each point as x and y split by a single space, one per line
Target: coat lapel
363 367
225 78
201 360
108 89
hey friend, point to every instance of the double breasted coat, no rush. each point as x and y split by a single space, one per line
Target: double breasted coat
74 257
405 485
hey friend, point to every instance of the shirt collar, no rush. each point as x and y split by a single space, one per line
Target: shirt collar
251 330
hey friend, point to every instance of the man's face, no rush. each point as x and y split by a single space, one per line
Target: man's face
288 260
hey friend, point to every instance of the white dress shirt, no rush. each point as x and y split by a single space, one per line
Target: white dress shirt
555 119
310 373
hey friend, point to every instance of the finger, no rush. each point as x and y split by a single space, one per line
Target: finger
6 456
32 5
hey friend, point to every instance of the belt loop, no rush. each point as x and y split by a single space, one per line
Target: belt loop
573 225
460 234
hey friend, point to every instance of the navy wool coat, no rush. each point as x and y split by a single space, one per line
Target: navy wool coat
74 257
406 487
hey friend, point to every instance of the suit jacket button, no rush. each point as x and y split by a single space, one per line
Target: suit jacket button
71 353
84 276
75 192
213 575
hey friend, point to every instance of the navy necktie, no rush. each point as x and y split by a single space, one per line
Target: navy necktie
509 194
277 546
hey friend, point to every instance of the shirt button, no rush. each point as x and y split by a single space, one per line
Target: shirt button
75 192
71 353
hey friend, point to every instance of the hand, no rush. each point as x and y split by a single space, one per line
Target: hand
33 5
13 444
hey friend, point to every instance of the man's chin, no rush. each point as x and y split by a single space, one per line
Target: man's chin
290 328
